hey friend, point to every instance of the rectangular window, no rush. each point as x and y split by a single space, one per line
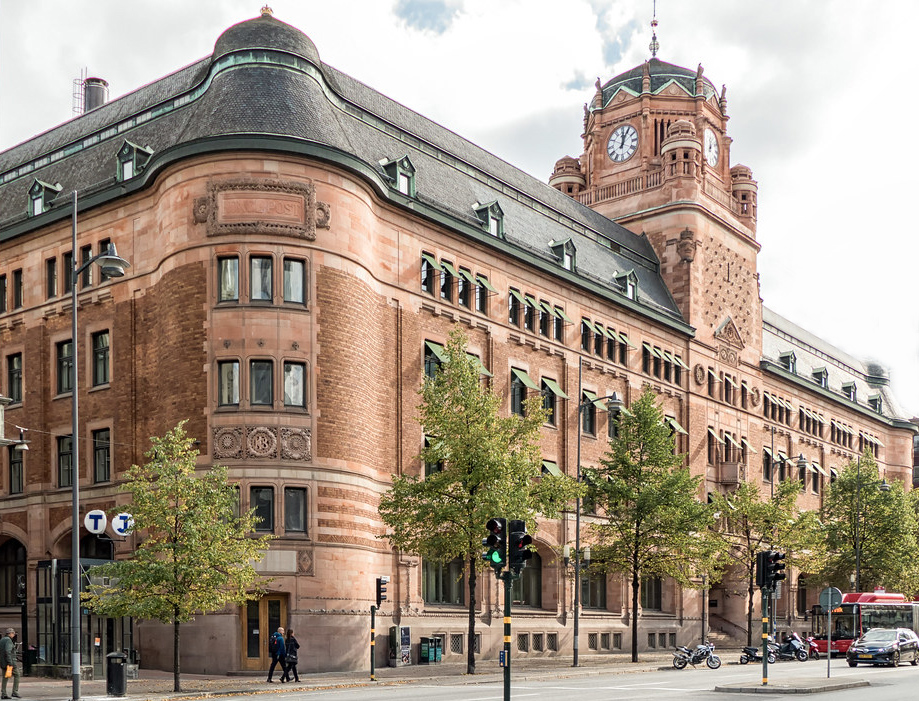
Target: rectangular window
429 268
529 314
518 394
446 281
103 248
294 510
100 358
102 455
646 358
68 272
559 326
86 279
261 499
64 367
14 377
51 278
260 279
598 343
651 593
294 384
17 289
656 360
2 293
294 281
463 287
586 335
513 306
588 416
481 296
64 461
261 389
545 319
548 402
16 470
431 468
228 378
228 279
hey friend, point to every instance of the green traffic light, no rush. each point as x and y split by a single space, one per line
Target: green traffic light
496 557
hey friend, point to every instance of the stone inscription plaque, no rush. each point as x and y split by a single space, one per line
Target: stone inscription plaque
237 207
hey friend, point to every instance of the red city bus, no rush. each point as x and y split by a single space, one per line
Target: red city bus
860 612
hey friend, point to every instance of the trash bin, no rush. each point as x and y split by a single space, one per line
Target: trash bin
438 649
425 650
116 680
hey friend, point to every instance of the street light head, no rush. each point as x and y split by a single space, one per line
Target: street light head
883 486
615 403
111 263
22 443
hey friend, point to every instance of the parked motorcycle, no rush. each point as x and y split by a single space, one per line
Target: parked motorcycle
812 650
751 653
704 652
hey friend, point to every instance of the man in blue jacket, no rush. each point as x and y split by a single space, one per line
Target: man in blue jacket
275 648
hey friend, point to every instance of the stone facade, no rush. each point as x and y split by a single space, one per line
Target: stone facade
359 245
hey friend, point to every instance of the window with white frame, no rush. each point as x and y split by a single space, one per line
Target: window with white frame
228 383
260 279
294 280
294 384
261 388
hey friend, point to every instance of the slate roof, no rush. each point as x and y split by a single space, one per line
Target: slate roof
308 101
811 353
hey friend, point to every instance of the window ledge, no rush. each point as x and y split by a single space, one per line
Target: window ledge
62 395
98 388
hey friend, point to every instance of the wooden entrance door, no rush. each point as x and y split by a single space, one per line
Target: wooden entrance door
260 619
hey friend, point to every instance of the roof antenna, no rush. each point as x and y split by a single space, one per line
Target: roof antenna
654 46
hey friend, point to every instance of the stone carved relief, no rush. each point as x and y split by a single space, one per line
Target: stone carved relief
255 205
295 444
728 356
262 442
686 248
755 396
729 333
228 443
305 562
698 374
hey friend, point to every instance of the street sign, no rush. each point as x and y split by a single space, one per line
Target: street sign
122 524
95 522
830 598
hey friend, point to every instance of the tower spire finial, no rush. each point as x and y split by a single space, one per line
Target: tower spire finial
654 46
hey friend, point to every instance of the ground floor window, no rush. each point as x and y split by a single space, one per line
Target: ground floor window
527 591
651 593
443 583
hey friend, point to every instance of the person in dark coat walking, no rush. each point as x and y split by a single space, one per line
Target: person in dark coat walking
291 645
9 659
278 652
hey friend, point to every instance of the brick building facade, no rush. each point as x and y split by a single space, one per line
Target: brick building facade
301 246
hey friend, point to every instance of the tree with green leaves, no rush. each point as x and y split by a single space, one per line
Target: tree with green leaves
874 522
748 522
487 465
195 552
651 523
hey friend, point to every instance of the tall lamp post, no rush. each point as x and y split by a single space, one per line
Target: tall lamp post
615 403
884 487
112 265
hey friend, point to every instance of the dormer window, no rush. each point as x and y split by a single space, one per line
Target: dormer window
40 196
874 401
132 159
788 361
848 390
565 252
401 174
629 283
820 377
492 216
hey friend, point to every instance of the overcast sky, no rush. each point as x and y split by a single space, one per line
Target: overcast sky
819 93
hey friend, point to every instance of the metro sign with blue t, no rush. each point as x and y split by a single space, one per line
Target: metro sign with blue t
96 520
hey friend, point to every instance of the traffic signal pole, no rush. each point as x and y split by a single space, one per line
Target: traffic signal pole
507 634
373 642
765 596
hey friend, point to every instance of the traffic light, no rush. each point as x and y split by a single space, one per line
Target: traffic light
761 560
496 556
518 550
381 589
775 568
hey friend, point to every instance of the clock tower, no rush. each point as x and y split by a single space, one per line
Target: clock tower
657 161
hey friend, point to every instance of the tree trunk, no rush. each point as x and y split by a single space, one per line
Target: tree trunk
470 648
176 674
750 593
635 584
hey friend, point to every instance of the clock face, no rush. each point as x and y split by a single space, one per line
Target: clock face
622 143
711 147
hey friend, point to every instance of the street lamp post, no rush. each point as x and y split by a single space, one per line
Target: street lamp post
111 265
614 403
884 487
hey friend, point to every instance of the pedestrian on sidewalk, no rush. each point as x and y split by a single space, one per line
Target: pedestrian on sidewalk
9 663
291 646
277 651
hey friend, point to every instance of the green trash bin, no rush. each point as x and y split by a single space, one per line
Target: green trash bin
424 651
438 649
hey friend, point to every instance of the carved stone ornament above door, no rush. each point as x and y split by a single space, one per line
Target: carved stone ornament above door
258 205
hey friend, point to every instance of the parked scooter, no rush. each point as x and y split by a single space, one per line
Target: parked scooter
812 651
704 652
792 648
751 653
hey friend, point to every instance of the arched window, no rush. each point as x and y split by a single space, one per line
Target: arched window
443 582
12 568
95 548
527 590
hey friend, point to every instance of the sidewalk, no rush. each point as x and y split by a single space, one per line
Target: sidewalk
155 685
